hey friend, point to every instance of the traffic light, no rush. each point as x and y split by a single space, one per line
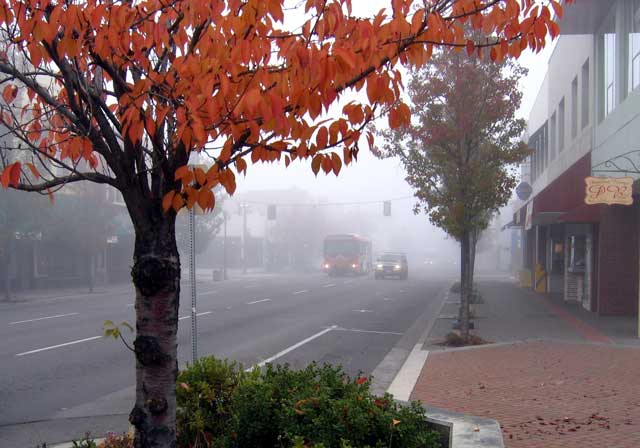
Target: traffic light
386 209
271 212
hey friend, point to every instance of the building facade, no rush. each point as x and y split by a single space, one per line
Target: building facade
585 122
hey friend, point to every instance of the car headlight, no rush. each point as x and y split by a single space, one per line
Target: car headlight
354 266
327 266
397 267
379 266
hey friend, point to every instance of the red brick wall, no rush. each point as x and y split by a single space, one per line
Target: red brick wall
618 261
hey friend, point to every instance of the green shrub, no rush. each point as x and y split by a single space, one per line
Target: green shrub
280 407
117 441
85 442
204 394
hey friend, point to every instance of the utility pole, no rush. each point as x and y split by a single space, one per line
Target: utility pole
192 277
244 237
224 252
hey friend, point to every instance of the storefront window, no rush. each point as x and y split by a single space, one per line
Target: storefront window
634 47
609 60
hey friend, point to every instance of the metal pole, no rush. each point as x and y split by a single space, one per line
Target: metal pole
224 253
192 275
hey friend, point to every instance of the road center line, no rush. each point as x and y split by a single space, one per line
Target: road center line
294 346
329 285
355 330
204 313
258 301
43 318
300 292
183 317
362 311
58 346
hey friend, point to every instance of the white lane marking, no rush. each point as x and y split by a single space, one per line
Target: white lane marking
208 293
258 301
300 292
403 290
130 304
362 311
329 285
250 286
58 346
355 330
204 313
406 379
43 318
228 308
347 282
294 346
388 299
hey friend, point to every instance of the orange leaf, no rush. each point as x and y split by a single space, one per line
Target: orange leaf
34 170
315 164
167 201
557 8
241 166
200 175
181 172
361 380
10 93
322 137
177 203
337 163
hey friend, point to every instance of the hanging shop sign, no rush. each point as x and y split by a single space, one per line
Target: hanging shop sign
609 190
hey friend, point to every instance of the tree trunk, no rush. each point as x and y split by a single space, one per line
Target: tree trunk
465 286
156 277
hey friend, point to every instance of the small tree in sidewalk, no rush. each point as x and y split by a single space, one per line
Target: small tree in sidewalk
459 148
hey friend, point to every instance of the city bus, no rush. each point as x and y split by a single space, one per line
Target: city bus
347 254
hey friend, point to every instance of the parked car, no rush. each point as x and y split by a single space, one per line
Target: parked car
392 264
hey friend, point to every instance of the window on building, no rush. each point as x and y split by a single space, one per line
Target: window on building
552 136
574 108
634 47
561 125
609 66
585 94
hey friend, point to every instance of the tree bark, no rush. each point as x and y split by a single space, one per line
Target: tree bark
156 277
465 287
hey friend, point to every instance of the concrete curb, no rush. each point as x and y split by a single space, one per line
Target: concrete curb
466 431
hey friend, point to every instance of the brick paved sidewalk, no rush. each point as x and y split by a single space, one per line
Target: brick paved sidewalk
581 388
544 394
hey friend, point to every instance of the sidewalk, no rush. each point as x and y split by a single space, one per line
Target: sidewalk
555 375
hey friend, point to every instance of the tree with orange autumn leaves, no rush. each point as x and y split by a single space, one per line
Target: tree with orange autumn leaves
121 93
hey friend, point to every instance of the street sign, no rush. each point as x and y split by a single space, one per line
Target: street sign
609 190
524 190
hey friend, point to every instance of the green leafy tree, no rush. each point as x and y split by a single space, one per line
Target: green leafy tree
458 150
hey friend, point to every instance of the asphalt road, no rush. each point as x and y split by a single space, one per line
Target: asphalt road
56 362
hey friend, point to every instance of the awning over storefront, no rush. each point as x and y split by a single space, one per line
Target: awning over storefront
584 214
562 201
